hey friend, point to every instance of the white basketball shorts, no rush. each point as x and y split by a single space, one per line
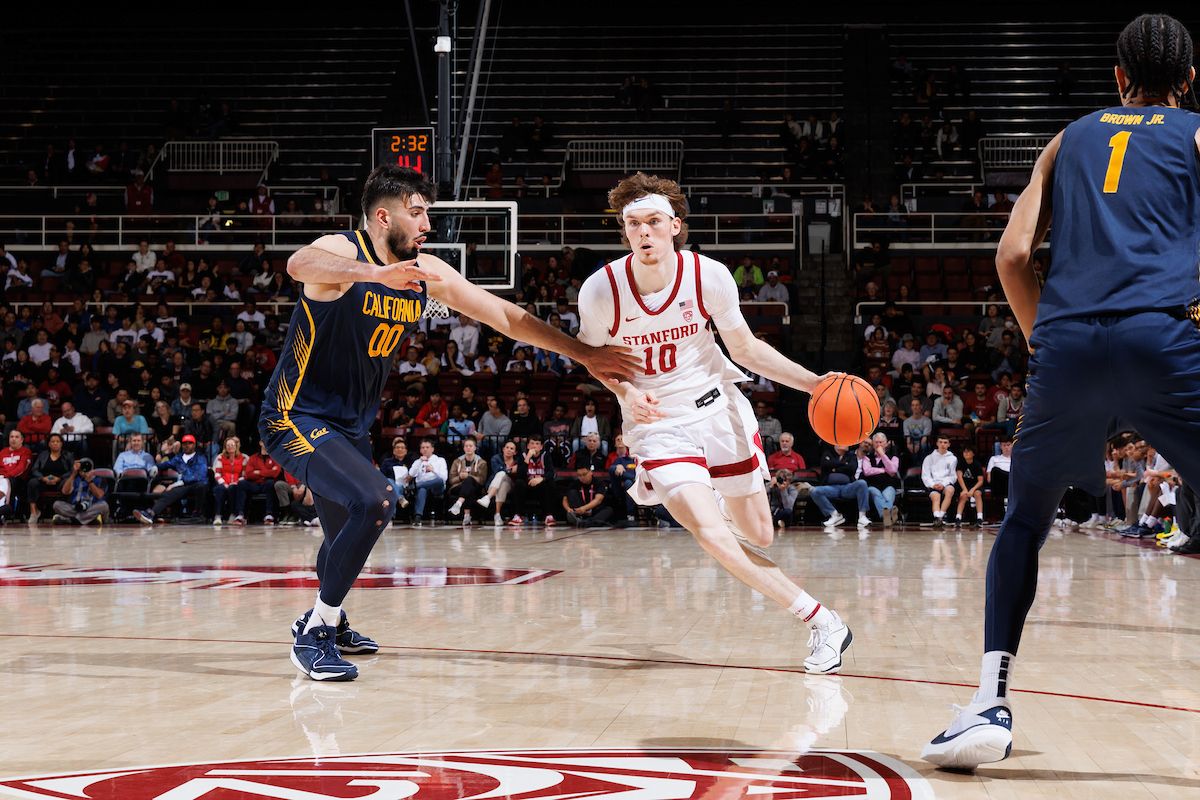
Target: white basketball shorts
723 451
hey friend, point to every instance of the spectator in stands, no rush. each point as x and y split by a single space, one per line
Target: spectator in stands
15 463
181 406
294 499
773 290
947 409
452 359
946 141
36 424
84 495
222 411
918 427
163 425
970 479
71 424
622 472
412 371
507 471
228 469
979 408
484 363
200 428
519 362
933 348
840 481
525 422
466 336
134 456
125 334
998 468
877 351
92 400
261 204
591 453
190 484
748 275
538 491
1008 410
556 433
459 426
145 259
130 420
782 494
906 354
395 468
46 475
92 339
39 351
584 504
468 477
590 422
768 427
890 424
61 262
428 474
939 473
19 278
785 458
433 413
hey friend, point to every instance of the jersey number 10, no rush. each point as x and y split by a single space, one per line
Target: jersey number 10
1119 143
666 359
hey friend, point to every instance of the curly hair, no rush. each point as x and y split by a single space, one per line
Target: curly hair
1155 51
639 185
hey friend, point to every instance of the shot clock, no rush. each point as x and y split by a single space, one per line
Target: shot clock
405 147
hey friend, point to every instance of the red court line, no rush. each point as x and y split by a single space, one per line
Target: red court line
635 659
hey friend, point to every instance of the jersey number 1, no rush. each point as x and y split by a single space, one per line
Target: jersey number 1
1119 144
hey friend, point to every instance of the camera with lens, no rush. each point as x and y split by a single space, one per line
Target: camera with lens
86 465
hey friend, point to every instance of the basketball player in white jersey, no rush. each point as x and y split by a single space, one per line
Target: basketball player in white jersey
685 419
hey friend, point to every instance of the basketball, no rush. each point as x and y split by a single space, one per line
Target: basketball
844 409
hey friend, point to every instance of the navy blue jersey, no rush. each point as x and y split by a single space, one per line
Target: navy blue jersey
1126 216
337 357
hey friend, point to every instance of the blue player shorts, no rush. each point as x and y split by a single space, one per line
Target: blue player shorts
290 442
1093 377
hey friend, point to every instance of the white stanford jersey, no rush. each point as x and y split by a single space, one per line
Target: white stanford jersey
668 331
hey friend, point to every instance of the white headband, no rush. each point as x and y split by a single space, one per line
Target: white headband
657 202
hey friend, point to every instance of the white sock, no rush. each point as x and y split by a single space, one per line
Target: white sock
1151 521
994 676
806 607
323 614
939 514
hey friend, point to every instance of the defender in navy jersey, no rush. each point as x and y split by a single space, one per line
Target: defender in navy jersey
363 292
1111 333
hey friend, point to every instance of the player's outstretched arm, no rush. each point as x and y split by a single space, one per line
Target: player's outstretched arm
761 358
329 265
608 362
1027 226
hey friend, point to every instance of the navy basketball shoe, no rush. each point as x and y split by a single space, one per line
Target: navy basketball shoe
348 641
315 654
980 734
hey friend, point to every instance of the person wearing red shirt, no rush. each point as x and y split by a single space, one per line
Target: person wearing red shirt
433 413
15 463
259 478
228 468
36 424
785 457
979 408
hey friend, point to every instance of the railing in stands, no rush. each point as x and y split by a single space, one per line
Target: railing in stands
27 232
917 191
61 192
624 155
221 156
934 231
935 306
1011 152
716 231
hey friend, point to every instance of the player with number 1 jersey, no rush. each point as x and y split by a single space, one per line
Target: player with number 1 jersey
691 429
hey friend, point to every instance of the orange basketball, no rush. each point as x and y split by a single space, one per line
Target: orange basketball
844 410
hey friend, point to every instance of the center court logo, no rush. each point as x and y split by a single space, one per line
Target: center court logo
273 577
523 775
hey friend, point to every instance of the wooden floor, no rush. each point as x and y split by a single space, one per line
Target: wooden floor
127 648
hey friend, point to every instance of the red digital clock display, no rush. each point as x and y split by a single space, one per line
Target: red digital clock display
405 147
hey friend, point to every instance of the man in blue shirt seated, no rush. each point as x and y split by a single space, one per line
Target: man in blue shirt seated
86 495
191 483
134 456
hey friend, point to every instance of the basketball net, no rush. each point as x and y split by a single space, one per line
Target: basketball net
435 308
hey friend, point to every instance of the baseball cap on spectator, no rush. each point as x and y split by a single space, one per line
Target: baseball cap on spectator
772 274
183 386
908 337
187 437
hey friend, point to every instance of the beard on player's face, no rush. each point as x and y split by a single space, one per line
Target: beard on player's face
400 245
